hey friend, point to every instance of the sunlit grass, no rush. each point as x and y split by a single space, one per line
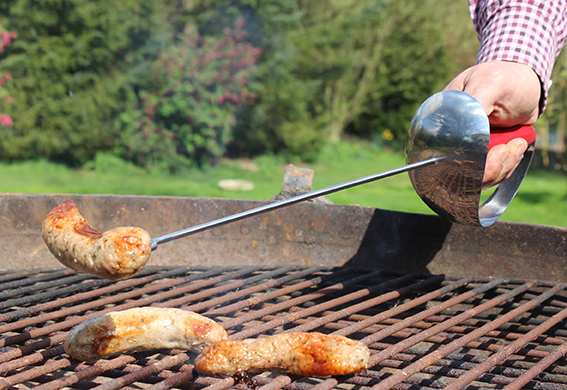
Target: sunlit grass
542 199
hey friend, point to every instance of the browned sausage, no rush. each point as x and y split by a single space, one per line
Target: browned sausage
309 354
115 254
142 329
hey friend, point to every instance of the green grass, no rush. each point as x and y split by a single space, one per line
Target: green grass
542 199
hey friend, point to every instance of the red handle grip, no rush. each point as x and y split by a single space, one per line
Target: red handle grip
499 135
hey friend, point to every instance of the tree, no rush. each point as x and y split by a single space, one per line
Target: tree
70 65
356 66
552 126
373 59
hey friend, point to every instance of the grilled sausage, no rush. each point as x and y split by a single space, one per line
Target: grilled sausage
309 354
115 254
142 329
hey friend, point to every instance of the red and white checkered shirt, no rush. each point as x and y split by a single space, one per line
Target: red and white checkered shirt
530 32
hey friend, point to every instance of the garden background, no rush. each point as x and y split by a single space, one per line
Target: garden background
169 97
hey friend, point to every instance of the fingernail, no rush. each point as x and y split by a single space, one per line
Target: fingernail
520 152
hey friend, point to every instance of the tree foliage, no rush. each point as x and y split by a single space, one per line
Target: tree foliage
354 66
552 126
68 66
375 60
136 76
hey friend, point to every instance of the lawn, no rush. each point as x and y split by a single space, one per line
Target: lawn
542 199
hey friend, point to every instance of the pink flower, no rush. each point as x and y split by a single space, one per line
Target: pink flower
8 76
9 99
6 38
6 121
241 23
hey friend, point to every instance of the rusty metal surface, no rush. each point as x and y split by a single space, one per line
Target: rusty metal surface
424 331
304 234
298 181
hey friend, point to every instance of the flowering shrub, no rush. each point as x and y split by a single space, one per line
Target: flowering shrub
189 110
6 39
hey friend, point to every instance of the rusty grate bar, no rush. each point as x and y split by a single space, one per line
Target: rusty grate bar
156 367
424 332
538 368
9 290
463 341
293 302
27 278
336 315
76 320
508 350
7 275
198 307
225 288
78 295
101 302
224 310
205 280
387 353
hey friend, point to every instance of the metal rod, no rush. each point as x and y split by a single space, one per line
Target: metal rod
443 351
537 369
327 291
502 354
290 201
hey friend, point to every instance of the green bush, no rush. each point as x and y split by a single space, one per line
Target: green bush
69 65
188 111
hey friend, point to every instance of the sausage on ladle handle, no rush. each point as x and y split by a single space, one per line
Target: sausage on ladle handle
115 254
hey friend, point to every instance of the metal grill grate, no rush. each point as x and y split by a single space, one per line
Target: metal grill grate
424 331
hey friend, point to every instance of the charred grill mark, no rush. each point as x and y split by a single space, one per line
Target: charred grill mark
82 227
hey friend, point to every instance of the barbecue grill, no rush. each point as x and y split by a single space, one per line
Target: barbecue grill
439 305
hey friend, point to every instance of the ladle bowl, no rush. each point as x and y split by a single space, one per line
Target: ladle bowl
454 125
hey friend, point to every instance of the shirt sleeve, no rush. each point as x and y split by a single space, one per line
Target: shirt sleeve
530 32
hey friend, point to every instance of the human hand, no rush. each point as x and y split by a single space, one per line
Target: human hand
509 92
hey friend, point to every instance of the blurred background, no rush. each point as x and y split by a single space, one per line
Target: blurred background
172 97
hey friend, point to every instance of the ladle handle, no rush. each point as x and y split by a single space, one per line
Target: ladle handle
500 135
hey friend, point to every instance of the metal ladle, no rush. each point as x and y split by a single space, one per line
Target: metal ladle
447 145
453 124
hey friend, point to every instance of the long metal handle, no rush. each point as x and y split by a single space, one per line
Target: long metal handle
287 202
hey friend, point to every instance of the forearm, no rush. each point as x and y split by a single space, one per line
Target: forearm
531 32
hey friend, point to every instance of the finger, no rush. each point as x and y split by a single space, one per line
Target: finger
502 160
517 148
495 160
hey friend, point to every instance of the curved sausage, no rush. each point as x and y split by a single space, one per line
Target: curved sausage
309 354
115 254
142 329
